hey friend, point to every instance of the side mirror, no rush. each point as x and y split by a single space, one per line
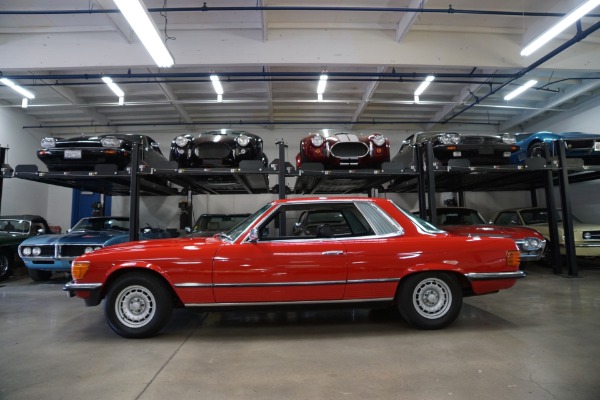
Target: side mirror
187 229
40 231
253 236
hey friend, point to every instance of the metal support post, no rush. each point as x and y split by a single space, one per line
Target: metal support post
565 199
431 183
134 193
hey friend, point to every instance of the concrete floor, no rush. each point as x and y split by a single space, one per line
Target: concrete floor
539 340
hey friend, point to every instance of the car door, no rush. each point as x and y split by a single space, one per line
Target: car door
282 264
295 270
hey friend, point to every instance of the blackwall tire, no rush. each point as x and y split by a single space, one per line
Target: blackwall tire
430 300
138 305
5 266
38 275
536 150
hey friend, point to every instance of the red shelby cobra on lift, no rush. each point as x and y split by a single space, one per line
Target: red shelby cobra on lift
366 252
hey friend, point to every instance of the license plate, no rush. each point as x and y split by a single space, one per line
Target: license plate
486 150
596 146
72 154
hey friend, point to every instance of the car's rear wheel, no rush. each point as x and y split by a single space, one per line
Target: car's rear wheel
39 275
430 300
138 305
6 265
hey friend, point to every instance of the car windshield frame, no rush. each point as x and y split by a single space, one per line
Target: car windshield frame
19 226
234 233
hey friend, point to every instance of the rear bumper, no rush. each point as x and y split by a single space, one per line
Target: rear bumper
486 276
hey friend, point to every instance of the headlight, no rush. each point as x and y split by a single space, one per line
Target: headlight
26 251
379 140
36 251
531 244
507 138
88 249
450 138
587 235
317 140
181 141
48 142
243 140
110 142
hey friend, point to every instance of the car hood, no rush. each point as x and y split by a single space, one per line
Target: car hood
75 237
492 230
162 244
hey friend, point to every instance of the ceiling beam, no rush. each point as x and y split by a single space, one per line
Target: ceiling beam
408 19
570 93
367 95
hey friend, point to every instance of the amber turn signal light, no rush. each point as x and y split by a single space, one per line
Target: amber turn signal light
79 269
513 258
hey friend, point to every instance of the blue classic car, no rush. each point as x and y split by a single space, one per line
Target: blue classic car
585 146
45 254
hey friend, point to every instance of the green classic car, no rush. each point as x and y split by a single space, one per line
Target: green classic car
13 230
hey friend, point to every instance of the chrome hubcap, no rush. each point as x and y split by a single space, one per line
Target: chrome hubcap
135 306
432 298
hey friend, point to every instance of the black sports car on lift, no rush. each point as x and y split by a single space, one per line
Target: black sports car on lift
219 148
478 148
82 153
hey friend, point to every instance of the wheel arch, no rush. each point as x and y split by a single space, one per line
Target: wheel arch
457 275
119 272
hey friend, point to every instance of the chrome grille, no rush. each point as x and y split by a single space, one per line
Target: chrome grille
212 150
349 150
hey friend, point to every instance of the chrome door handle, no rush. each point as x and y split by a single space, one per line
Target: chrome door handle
333 253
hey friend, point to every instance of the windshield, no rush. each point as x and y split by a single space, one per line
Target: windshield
459 217
14 226
102 224
236 231
540 216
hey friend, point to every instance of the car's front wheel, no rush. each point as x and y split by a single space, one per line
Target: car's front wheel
537 150
430 300
138 305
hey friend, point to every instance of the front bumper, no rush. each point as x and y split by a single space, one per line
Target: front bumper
91 293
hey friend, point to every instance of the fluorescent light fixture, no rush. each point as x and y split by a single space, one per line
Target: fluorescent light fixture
216 84
121 100
322 84
17 88
138 17
416 99
424 85
219 98
113 86
24 102
320 97
560 26
519 90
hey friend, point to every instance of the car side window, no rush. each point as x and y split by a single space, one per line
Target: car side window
292 222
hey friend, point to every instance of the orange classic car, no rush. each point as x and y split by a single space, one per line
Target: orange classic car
376 255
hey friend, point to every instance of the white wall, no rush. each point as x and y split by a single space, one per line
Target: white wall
21 196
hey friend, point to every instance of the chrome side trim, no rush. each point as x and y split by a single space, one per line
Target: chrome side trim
478 276
81 286
271 303
382 280
263 284
266 284
193 285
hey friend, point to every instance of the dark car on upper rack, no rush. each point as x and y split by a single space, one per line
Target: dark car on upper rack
218 148
469 222
45 254
14 229
83 153
344 150
478 149
585 146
